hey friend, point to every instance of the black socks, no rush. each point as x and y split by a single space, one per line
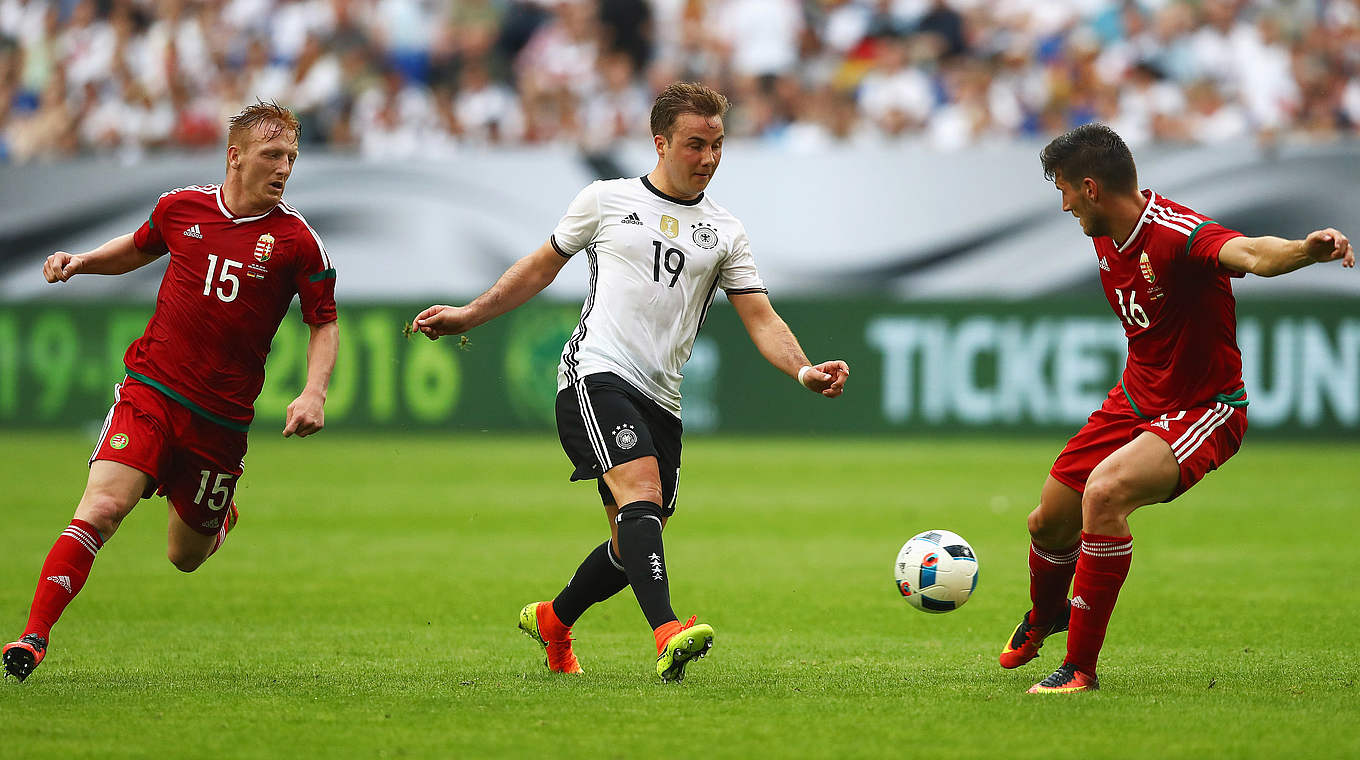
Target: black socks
644 560
599 577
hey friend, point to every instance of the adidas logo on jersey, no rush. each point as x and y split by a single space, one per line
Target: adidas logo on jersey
61 580
193 232
632 218
1104 264
1080 603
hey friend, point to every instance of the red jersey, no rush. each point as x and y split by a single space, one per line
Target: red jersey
1176 302
229 283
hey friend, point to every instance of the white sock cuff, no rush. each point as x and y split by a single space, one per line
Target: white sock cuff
1066 558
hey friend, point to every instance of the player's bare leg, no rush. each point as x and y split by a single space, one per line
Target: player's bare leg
1055 530
186 548
636 528
1142 472
111 491
1056 522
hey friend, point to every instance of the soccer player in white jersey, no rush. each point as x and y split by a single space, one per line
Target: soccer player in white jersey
658 250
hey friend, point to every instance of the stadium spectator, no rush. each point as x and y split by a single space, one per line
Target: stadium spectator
896 96
488 111
619 108
534 71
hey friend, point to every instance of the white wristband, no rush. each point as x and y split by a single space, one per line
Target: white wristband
802 375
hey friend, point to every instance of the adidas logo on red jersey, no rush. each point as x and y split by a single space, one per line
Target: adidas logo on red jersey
1104 264
193 232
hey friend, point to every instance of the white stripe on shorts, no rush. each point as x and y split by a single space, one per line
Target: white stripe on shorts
675 493
1190 431
108 420
593 427
1186 445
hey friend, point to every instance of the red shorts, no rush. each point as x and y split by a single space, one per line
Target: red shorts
1202 438
193 462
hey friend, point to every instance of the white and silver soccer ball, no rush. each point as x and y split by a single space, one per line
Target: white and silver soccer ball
936 571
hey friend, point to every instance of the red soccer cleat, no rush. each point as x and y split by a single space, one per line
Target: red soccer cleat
1026 640
1066 680
22 656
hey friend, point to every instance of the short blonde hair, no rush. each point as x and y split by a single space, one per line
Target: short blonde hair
273 116
682 98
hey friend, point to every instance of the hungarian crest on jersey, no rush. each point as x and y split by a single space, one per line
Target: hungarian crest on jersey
264 248
1145 266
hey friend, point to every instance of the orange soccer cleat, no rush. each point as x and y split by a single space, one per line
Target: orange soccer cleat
1026 640
540 623
1066 680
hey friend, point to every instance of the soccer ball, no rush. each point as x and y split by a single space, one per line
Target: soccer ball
936 571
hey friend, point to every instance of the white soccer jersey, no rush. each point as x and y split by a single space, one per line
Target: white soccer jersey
656 262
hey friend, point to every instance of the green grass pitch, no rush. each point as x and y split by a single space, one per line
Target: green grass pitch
366 607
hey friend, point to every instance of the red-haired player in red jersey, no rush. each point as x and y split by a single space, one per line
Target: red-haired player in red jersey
238 255
1180 409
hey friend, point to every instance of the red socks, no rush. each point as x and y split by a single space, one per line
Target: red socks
63 574
228 522
1050 575
1101 570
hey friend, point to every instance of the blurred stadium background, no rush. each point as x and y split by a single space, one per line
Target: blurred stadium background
883 155
884 158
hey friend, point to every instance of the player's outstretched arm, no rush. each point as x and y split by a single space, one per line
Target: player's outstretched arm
307 413
778 345
118 256
1270 256
522 281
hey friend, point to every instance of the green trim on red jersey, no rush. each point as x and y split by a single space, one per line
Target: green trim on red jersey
1191 240
328 274
239 427
1237 398
1130 399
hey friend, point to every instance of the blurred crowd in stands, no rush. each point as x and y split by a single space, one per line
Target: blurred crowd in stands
421 78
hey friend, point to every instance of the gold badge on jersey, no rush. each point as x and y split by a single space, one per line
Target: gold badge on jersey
264 247
670 227
1146 267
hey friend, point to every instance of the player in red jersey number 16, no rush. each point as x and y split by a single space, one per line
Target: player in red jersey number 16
1178 412
237 257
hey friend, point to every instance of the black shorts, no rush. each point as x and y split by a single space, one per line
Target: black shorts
604 421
